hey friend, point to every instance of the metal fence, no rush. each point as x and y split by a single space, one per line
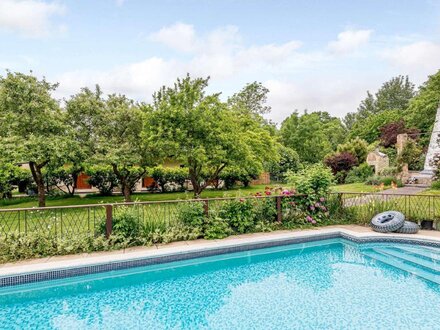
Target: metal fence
363 206
98 218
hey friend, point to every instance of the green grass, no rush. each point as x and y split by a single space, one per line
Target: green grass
355 188
141 197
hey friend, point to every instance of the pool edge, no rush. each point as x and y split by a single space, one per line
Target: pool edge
193 252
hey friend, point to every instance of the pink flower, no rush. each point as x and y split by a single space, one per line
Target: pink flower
322 199
285 192
314 222
312 207
317 204
323 208
309 218
268 193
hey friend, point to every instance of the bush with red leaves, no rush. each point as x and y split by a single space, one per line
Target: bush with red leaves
389 132
343 161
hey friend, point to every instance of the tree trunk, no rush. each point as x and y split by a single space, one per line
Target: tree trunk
127 192
39 181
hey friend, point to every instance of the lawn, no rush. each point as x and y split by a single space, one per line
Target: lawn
142 197
355 188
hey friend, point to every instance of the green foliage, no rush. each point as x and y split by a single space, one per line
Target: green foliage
423 107
31 125
205 134
119 142
312 180
394 95
192 214
17 246
359 173
368 129
289 161
9 174
435 185
413 155
217 228
103 178
265 210
238 214
167 175
356 147
312 135
125 223
230 175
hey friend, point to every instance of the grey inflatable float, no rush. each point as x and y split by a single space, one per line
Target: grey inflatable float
386 222
408 228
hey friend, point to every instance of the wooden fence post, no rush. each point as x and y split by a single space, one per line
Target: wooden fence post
279 210
108 220
206 207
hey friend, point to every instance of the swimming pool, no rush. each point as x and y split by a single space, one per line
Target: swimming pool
328 284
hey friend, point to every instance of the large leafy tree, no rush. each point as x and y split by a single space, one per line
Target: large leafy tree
394 95
83 114
312 135
119 143
32 127
423 107
205 134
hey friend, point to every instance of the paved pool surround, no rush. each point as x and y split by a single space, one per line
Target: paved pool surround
76 265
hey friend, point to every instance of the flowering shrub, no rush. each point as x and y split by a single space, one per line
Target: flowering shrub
239 214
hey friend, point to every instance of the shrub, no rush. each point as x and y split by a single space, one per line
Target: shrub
389 132
238 214
217 228
373 180
265 210
312 180
103 178
389 171
359 173
125 223
18 246
289 161
435 185
192 214
413 155
341 163
357 147
164 176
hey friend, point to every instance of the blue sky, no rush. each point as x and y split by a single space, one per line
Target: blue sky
319 55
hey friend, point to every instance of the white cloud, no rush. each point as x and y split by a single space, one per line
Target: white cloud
423 55
179 36
30 17
349 41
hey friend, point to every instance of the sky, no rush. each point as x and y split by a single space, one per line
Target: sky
315 55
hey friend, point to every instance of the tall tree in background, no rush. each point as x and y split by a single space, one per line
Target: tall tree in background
423 107
394 95
252 101
312 135
204 134
31 125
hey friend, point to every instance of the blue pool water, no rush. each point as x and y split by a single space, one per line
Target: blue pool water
331 284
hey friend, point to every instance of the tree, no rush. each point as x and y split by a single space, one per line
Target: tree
389 132
369 128
83 113
312 135
252 98
204 134
423 107
119 142
31 125
343 161
356 147
394 95
289 161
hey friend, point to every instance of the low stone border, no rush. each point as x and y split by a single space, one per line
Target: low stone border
10 276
